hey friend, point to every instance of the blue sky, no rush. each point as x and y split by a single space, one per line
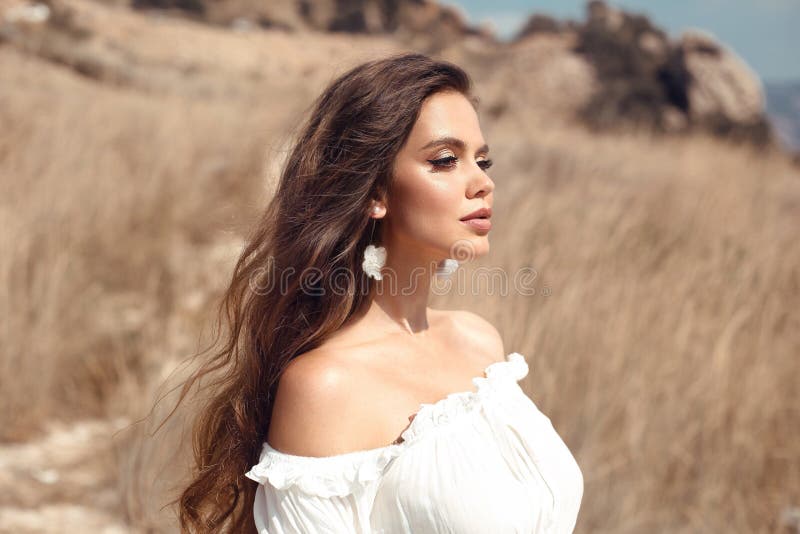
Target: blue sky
765 33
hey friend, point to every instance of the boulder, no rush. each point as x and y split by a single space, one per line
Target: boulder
720 82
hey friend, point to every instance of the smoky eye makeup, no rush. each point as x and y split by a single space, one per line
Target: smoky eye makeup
449 162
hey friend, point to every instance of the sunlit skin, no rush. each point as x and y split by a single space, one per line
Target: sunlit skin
422 217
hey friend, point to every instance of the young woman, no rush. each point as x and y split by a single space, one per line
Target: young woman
342 402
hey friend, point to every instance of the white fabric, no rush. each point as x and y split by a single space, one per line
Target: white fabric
484 461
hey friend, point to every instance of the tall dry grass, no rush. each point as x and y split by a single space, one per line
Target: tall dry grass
663 337
668 350
109 200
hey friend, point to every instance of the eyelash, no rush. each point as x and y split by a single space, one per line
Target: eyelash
484 164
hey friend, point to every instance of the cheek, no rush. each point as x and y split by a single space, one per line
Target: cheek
426 202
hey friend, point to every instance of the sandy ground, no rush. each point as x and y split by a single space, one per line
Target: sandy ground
41 481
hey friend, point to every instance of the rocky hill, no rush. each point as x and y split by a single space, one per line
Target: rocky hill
646 78
611 70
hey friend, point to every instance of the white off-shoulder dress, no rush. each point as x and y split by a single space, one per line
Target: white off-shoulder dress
483 462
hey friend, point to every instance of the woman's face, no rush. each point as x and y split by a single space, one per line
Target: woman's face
439 178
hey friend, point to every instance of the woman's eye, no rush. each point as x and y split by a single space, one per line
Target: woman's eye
449 161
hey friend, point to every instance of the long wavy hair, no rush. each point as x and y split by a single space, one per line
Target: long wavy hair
315 226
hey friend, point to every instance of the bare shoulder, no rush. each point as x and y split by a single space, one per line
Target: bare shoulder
480 332
314 392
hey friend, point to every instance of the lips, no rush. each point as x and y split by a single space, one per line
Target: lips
479 219
483 213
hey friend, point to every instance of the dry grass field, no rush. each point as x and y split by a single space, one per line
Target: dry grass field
663 336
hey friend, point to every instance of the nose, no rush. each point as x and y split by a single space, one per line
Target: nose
480 184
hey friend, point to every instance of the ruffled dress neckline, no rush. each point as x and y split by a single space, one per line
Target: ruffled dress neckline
496 375
340 474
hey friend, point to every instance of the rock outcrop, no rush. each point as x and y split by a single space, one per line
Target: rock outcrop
647 79
440 25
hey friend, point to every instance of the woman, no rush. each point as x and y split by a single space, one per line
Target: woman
342 403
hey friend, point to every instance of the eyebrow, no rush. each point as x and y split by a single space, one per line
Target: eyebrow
448 140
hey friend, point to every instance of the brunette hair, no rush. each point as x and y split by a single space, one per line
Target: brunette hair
316 222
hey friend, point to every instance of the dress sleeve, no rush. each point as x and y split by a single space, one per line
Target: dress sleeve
332 494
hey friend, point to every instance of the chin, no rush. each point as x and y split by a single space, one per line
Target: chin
482 247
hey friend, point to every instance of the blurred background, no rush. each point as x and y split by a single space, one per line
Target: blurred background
647 163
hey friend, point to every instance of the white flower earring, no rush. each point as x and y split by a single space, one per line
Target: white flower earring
447 267
374 257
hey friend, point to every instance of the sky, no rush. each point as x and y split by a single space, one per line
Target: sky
764 33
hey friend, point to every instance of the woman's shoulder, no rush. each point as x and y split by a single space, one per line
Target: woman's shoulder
314 394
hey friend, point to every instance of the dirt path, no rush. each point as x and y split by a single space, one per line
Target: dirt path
65 481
